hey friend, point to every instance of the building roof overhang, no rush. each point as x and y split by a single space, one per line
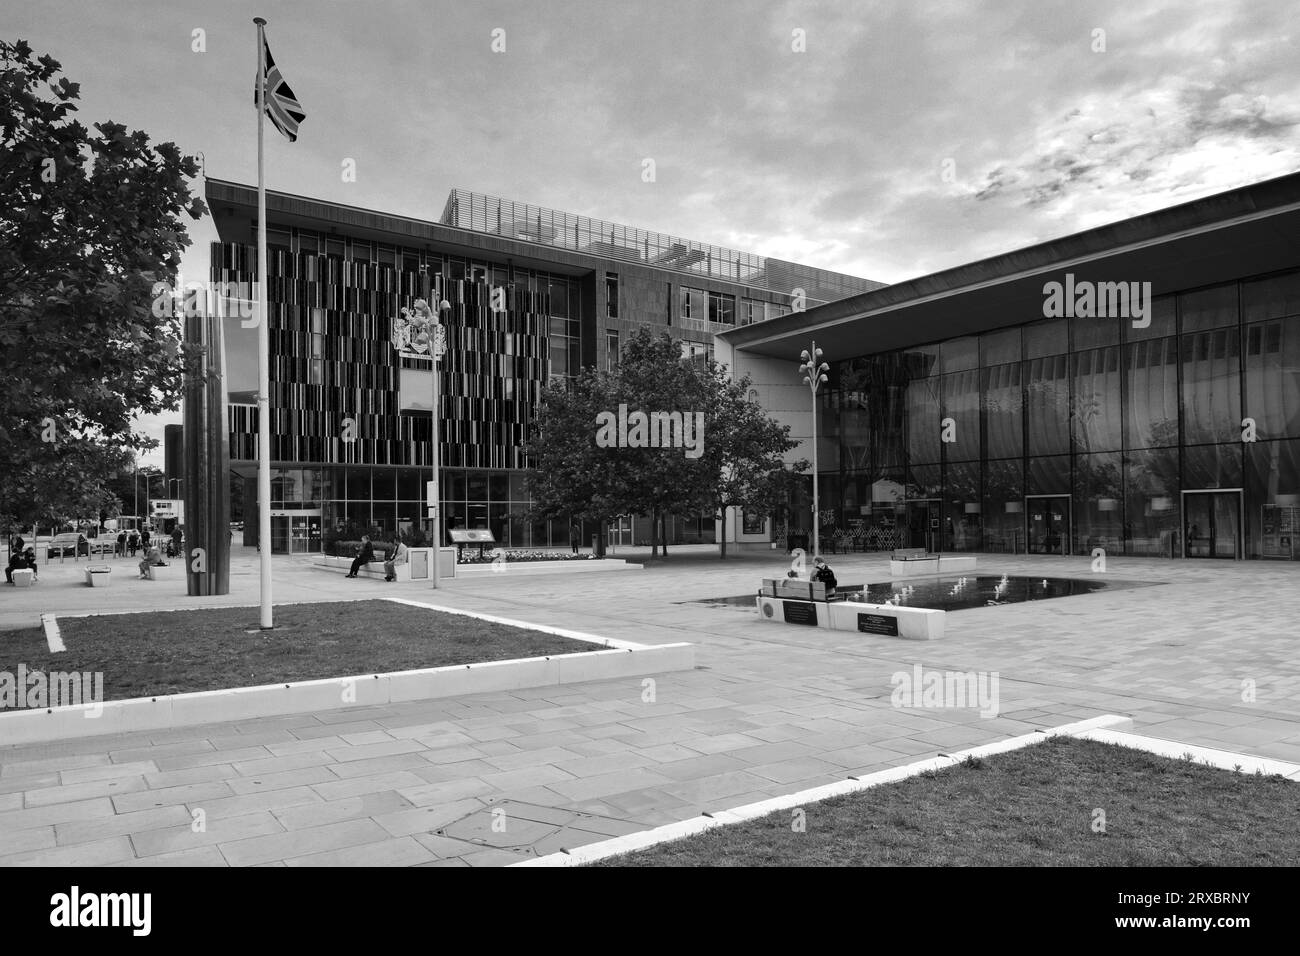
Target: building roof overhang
1252 230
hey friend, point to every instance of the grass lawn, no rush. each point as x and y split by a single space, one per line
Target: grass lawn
145 655
1030 807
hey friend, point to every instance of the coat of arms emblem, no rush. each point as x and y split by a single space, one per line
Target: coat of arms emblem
415 332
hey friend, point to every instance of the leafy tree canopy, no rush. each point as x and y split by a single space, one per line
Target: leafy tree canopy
89 222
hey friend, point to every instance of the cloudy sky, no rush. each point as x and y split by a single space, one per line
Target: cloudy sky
883 139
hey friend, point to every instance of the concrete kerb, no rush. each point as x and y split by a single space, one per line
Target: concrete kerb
593 852
615 659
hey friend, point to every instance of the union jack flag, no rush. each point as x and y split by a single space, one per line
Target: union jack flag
281 104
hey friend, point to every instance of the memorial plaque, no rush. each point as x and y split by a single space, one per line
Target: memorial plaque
878 624
800 612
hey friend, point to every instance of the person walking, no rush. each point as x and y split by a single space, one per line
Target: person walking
365 555
176 539
399 556
121 544
575 534
144 540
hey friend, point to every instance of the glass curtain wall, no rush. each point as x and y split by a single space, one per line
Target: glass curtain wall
1117 425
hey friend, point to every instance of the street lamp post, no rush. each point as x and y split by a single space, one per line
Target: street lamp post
814 375
437 346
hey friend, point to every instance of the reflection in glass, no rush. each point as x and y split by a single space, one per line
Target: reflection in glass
1098 503
1151 397
1003 514
923 420
1047 405
1003 411
1273 377
961 403
1096 400
1211 386
1151 501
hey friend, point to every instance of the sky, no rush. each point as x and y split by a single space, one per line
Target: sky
883 139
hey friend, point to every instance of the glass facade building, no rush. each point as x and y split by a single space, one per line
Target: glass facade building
1061 436
533 295
1157 415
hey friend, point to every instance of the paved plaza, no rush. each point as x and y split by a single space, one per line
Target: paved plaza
1205 656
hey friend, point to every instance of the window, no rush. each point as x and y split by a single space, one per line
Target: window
360 251
696 351
722 308
611 348
694 303
611 297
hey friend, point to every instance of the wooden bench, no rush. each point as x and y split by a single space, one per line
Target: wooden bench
910 554
371 569
795 589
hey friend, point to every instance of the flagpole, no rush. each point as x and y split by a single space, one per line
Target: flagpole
263 348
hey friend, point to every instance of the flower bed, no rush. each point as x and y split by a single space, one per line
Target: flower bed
513 556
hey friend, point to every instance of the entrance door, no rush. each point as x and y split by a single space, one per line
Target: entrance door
1212 524
299 534
923 524
1047 519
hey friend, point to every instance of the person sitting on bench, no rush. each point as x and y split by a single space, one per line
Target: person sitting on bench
365 555
826 576
152 559
21 559
399 556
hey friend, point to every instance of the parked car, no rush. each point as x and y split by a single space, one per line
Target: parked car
70 542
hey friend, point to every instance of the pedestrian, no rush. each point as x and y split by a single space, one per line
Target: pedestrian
575 535
132 542
365 554
176 539
399 556
144 539
121 544
826 576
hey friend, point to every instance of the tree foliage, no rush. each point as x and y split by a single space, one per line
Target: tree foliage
89 222
740 461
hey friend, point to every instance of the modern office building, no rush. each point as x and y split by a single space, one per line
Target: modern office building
1041 402
534 294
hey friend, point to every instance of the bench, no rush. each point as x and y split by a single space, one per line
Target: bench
371 569
795 589
913 561
24 577
166 572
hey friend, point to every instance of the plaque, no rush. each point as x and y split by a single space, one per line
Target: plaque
800 612
878 624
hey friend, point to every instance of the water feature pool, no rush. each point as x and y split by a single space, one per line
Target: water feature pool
962 592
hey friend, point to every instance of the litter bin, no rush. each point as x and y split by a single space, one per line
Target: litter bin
99 575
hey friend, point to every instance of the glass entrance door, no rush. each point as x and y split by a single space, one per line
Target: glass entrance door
923 524
1047 521
1212 524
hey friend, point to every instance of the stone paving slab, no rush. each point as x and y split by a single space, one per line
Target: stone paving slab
771 709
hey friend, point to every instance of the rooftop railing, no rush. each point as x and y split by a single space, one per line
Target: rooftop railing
608 240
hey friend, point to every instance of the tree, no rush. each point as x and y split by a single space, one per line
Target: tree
745 452
734 458
90 223
572 477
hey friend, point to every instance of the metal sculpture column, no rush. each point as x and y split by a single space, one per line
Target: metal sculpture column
206 557
814 375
